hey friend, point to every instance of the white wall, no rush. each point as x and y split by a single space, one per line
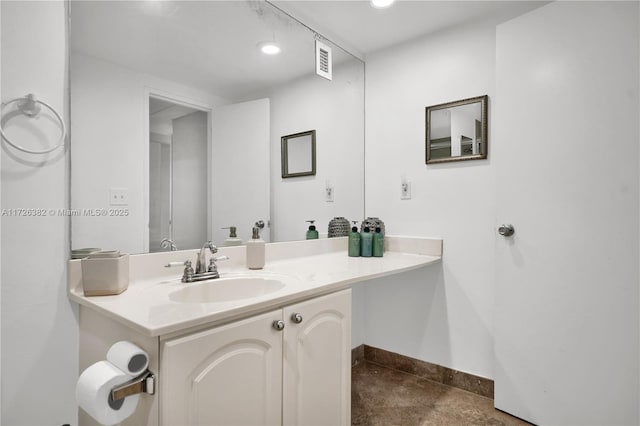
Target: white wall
441 314
1 156
334 110
190 174
240 169
39 325
358 315
108 127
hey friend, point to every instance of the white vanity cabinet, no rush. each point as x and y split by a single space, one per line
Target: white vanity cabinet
252 373
226 375
225 363
317 361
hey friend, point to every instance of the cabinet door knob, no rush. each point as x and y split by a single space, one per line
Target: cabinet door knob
296 317
278 325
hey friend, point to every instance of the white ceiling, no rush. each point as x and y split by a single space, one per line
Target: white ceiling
362 29
211 44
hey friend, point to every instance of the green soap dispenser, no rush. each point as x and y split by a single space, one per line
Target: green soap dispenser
233 239
354 241
378 243
312 233
366 242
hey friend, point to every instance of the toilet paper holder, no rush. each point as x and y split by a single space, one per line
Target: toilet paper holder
144 383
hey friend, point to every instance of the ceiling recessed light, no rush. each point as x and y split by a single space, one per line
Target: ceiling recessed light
381 4
269 48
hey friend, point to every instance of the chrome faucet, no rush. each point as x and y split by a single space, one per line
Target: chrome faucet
201 263
203 272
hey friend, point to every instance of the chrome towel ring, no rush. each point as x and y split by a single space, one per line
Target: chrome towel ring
30 106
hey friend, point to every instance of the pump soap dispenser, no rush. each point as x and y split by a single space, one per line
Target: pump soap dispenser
378 243
366 242
312 233
255 250
354 241
233 239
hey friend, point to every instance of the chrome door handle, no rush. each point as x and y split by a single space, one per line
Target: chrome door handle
278 325
506 230
297 318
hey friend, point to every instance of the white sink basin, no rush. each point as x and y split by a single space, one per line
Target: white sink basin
226 290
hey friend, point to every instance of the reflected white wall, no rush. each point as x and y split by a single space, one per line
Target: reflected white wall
313 103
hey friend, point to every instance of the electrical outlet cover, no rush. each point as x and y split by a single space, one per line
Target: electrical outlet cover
118 197
328 192
405 191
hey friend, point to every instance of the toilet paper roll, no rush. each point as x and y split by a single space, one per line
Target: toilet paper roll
128 358
93 393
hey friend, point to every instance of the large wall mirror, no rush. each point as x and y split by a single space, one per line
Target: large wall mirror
457 130
177 117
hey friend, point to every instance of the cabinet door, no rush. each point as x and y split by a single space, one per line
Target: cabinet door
228 375
317 361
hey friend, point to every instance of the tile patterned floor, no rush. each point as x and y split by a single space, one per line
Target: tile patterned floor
382 396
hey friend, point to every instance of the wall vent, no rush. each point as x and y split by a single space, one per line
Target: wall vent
323 60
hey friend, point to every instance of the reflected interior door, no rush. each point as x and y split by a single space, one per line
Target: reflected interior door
189 180
566 155
178 175
240 169
159 190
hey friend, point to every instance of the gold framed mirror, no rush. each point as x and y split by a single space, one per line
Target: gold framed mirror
457 131
299 154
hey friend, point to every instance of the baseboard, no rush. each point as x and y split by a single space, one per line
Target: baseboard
357 355
426 370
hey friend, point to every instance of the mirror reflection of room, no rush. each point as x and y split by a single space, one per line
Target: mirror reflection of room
178 146
126 56
456 130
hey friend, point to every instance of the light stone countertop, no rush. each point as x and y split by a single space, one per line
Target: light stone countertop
307 268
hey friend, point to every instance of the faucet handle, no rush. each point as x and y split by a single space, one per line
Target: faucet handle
213 268
212 263
188 273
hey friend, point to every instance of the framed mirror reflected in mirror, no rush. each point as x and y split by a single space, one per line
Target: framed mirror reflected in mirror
299 154
457 131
